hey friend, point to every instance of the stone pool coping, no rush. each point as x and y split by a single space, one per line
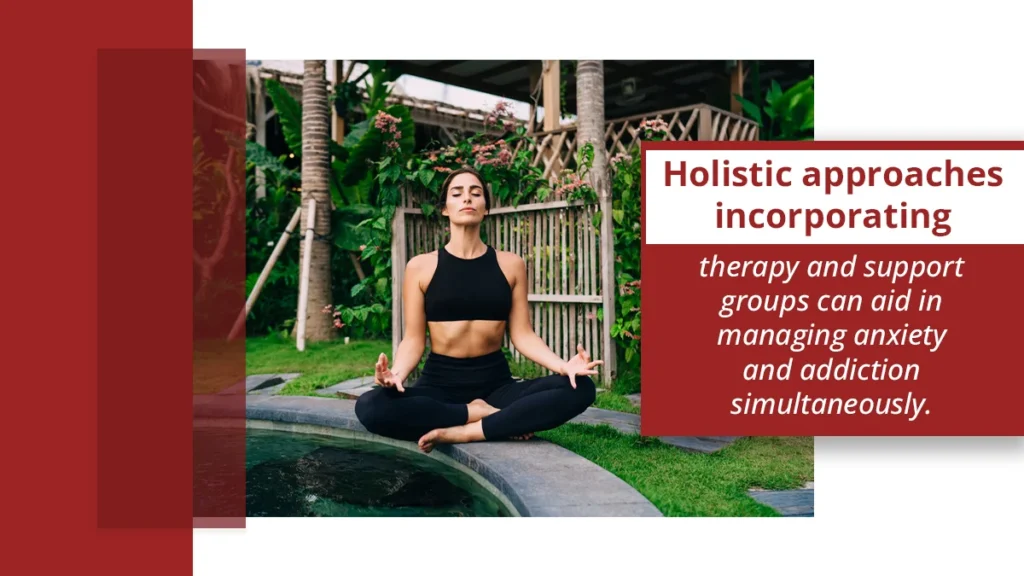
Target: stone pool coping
538 478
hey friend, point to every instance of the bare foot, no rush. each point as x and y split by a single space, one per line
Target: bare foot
454 435
478 410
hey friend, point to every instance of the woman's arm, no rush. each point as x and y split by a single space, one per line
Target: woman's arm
410 350
521 331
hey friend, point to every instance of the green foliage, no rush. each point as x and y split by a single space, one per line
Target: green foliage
260 157
369 147
289 112
371 169
626 205
265 220
784 115
355 190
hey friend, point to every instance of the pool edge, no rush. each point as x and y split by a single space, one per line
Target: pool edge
537 477
323 430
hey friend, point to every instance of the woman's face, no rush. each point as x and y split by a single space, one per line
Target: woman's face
465 203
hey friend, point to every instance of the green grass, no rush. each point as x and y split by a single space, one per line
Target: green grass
686 484
322 364
678 483
612 401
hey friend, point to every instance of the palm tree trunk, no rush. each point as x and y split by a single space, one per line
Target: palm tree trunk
590 129
316 166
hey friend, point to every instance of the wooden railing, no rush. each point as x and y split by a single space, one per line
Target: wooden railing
556 149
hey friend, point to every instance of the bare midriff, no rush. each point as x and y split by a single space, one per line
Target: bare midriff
466 338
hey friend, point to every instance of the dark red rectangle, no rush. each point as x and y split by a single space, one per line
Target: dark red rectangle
969 385
219 104
144 332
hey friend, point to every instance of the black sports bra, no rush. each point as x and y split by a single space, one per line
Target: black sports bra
467 289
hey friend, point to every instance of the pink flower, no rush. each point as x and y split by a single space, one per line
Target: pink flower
338 324
385 122
655 125
618 159
572 182
502 111
497 154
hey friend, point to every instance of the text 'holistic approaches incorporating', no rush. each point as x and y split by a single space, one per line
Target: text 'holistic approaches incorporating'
839 292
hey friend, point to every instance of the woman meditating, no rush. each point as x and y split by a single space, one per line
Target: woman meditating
468 294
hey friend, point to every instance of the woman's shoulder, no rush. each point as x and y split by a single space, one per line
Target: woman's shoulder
424 261
510 260
421 267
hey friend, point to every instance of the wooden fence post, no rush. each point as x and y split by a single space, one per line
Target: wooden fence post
300 337
704 126
398 261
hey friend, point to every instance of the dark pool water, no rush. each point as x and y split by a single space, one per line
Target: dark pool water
291 474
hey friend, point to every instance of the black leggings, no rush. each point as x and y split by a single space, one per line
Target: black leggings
440 396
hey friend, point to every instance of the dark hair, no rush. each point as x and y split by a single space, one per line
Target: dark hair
443 201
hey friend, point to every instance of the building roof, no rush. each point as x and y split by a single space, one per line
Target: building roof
427 111
631 86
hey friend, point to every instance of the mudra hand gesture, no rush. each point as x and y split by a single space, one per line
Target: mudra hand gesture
384 376
580 364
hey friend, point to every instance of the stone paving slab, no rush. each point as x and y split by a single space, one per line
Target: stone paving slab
256 381
621 421
268 384
354 393
790 503
347 385
270 390
634 398
539 478
630 424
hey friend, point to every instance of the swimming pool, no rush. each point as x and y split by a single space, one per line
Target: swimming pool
292 474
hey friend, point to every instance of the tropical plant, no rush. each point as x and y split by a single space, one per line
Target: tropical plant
783 114
627 227
352 176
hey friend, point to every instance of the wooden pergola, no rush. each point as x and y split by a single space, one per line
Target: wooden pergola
631 86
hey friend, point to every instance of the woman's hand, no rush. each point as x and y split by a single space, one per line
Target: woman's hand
580 364
384 376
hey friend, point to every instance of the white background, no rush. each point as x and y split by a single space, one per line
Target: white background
978 215
884 70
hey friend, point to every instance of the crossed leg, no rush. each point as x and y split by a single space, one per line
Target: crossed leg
410 414
522 408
